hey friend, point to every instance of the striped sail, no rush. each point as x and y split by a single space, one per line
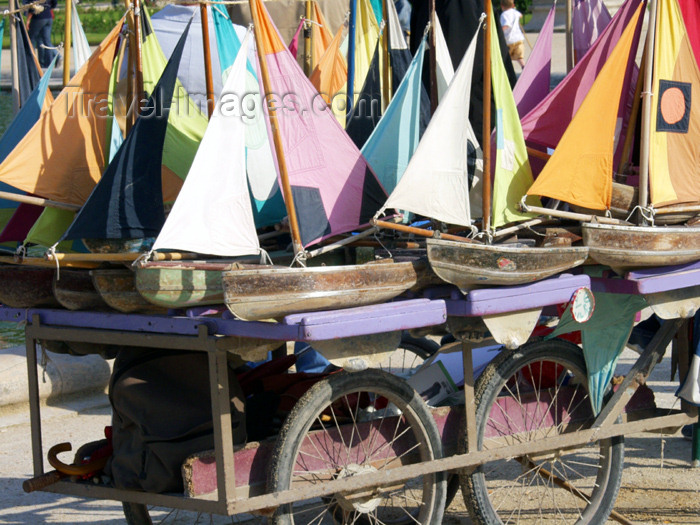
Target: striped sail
674 172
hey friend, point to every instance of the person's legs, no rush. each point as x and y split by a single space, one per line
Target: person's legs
33 32
45 39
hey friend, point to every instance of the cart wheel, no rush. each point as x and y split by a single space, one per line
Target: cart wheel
409 355
524 395
358 424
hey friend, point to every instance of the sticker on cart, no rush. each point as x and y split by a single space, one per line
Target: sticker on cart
582 305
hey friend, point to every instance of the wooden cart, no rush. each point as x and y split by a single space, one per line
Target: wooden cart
363 447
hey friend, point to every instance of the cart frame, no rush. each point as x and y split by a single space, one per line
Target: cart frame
217 336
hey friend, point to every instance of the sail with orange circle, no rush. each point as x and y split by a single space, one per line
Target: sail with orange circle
674 167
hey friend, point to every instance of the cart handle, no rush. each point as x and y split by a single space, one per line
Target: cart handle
73 470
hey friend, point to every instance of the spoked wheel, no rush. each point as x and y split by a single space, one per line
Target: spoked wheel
540 390
410 354
356 425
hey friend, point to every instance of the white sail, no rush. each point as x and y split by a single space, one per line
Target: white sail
213 212
397 40
435 183
81 48
445 69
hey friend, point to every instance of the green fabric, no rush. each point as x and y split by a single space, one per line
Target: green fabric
49 227
604 337
186 123
512 176
113 141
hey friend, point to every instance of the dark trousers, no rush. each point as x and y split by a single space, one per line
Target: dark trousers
40 35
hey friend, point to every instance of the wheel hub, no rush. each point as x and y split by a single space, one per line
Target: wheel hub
363 502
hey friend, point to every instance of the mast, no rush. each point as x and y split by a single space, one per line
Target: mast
351 56
138 64
486 125
307 39
569 37
646 108
15 64
130 66
67 37
433 59
207 58
274 126
387 88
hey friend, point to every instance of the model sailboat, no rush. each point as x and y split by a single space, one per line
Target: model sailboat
668 171
436 185
329 190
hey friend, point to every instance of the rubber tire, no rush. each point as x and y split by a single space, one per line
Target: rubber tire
489 385
321 395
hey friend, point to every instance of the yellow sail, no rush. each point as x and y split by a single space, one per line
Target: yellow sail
674 167
366 35
331 77
580 170
62 157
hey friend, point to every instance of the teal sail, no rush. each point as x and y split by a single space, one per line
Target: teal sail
392 143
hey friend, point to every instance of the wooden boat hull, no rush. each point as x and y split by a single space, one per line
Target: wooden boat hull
184 284
627 247
117 287
74 290
181 284
472 265
274 292
26 286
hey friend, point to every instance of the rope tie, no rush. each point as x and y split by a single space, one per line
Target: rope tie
265 257
51 252
143 258
300 259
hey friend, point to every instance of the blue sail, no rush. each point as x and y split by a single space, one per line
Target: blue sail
397 134
127 203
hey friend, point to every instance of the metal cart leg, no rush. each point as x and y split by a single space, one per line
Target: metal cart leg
696 445
34 408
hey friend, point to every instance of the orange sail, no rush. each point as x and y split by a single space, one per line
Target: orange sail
331 77
62 157
321 36
580 170
674 170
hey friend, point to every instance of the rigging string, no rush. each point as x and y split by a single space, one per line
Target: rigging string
647 213
51 252
265 257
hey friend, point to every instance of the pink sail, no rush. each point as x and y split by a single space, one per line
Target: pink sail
294 44
333 188
590 18
691 16
533 83
544 125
